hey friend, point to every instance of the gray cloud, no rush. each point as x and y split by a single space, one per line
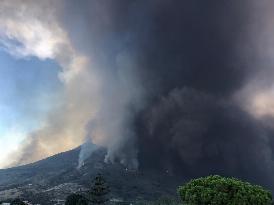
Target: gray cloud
193 60
199 135
175 77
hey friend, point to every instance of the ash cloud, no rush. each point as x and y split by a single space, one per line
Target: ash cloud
200 135
106 94
175 77
193 60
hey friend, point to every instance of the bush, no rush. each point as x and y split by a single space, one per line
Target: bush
76 199
223 191
17 202
99 191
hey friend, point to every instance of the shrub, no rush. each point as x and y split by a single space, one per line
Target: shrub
99 191
76 199
223 191
17 202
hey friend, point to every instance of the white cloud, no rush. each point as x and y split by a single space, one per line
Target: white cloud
25 34
107 98
30 28
257 99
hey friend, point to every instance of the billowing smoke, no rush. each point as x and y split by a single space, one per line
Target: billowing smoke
196 62
183 86
199 134
101 97
87 148
30 29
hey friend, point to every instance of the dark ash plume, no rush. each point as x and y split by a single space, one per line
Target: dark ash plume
189 60
200 135
168 73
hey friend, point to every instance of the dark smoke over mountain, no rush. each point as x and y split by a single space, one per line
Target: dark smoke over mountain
195 134
192 58
181 86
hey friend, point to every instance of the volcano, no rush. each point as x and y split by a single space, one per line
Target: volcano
51 180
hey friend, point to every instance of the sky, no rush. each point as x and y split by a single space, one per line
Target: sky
29 89
192 80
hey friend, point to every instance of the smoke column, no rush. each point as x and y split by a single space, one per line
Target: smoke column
196 62
191 80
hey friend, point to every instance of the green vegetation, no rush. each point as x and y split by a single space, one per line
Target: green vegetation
99 191
217 190
76 199
17 202
97 195
211 190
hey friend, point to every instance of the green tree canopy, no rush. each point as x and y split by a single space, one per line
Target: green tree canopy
99 191
76 199
219 190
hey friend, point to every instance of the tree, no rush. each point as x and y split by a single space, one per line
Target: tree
17 202
76 199
99 191
82 201
223 191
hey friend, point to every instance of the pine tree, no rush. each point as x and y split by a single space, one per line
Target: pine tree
99 191
76 199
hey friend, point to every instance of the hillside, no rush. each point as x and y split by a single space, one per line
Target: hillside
57 176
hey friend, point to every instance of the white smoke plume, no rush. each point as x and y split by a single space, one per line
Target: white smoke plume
30 28
87 148
90 96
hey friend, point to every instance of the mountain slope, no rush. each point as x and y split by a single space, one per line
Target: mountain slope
57 176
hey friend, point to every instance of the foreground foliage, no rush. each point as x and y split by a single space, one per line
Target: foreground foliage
76 199
223 191
99 191
17 202
97 195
